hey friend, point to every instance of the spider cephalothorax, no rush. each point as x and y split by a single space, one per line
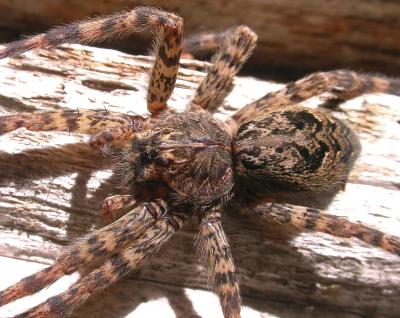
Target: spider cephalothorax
190 152
177 163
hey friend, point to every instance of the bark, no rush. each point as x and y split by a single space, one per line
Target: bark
295 36
52 184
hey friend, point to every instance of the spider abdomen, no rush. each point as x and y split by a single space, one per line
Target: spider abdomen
190 152
296 146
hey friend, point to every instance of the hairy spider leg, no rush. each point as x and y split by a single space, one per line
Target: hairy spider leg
204 42
169 41
91 248
115 206
337 86
119 265
106 127
213 249
238 45
320 221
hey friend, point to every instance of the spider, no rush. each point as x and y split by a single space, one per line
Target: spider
180 165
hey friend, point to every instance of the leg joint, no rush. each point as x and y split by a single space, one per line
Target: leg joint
156 209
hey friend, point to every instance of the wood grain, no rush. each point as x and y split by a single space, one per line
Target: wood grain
52 184
302 35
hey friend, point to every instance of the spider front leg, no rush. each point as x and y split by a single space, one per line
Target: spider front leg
89 249
106 126
119 265
169 31
238 45
213 249
334 87
316 220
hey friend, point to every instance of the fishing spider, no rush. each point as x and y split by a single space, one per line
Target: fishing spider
178 165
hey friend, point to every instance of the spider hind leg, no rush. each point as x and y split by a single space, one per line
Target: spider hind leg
334 87
316 220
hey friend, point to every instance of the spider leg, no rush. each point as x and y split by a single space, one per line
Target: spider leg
204 42
119 265
115 205
106 126
238 45
169 30
334 86
320 221
91 248
115 135
214 251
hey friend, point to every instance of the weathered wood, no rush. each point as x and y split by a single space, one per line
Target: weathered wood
300 35
51 185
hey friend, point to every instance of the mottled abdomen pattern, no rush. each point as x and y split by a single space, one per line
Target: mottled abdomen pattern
297 147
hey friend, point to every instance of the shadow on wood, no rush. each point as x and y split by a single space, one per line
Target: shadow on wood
51 186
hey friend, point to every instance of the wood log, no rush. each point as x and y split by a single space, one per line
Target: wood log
52 184
294 36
